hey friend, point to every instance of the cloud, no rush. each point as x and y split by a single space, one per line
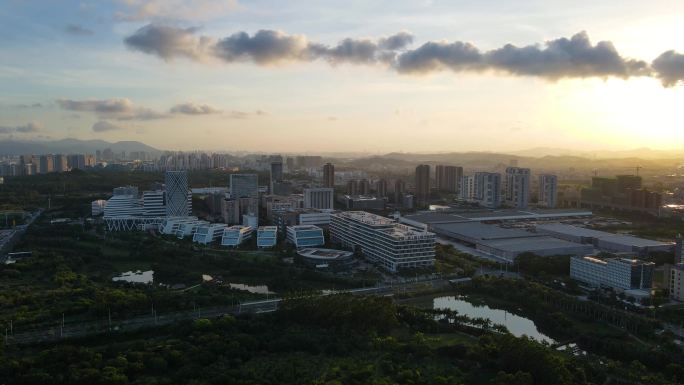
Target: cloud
265 47
78 30
140 10
194 109
246 115
119 109
104 125
560 58
574 57
669 68
28 128
169 42
23 106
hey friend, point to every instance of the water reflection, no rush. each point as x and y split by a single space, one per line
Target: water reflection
518 326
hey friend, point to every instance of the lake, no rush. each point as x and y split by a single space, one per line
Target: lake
518 326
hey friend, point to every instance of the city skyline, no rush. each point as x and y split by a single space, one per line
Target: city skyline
382 77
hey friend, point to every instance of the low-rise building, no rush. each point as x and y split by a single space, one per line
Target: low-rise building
188 229
234 236
97 207
305 236
382 240
267 236
208 233
620 274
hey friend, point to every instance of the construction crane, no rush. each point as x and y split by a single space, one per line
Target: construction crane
635 168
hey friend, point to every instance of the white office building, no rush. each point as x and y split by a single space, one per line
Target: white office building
617 273
153 203
233 236
319 198
487 189
548 191
305 236
209 233
267 236
178 195
171 225
120 205
517 187
188 229
382 240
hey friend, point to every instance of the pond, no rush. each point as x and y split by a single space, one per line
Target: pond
518 326
135 277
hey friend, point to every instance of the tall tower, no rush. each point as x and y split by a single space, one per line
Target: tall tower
679 249
329 175
276 174
422 185
178 196
399 191
517 187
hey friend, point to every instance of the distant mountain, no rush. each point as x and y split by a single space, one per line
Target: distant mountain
642 153
70 146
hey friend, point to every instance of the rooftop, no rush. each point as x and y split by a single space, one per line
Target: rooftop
602 235
480 231
528 244
483 215
367 218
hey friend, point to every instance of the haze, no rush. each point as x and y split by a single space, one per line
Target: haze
345 76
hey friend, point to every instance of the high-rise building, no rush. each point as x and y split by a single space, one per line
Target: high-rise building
448 178
178 195
517 187
230 210
383 241
487 189
123 203
548 191
364 187
399 191
467 187
352 187
319 198
679 249
329 175
46 164
76 161
60 163
381 188
422 185
276 174
244 185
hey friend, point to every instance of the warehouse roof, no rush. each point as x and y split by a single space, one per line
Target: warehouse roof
476 230
529 244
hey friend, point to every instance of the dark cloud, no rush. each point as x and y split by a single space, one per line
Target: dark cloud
28 128
78 30
194 109
265 47
168 42
435 56
561 58
120 109
574 57
669 68
396 42
104 125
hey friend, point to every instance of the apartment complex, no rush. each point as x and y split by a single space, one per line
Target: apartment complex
422 185
448 178
382 240
319 198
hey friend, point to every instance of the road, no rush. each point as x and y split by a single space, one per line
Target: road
84 329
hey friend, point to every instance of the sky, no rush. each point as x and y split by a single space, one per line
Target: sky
362 76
